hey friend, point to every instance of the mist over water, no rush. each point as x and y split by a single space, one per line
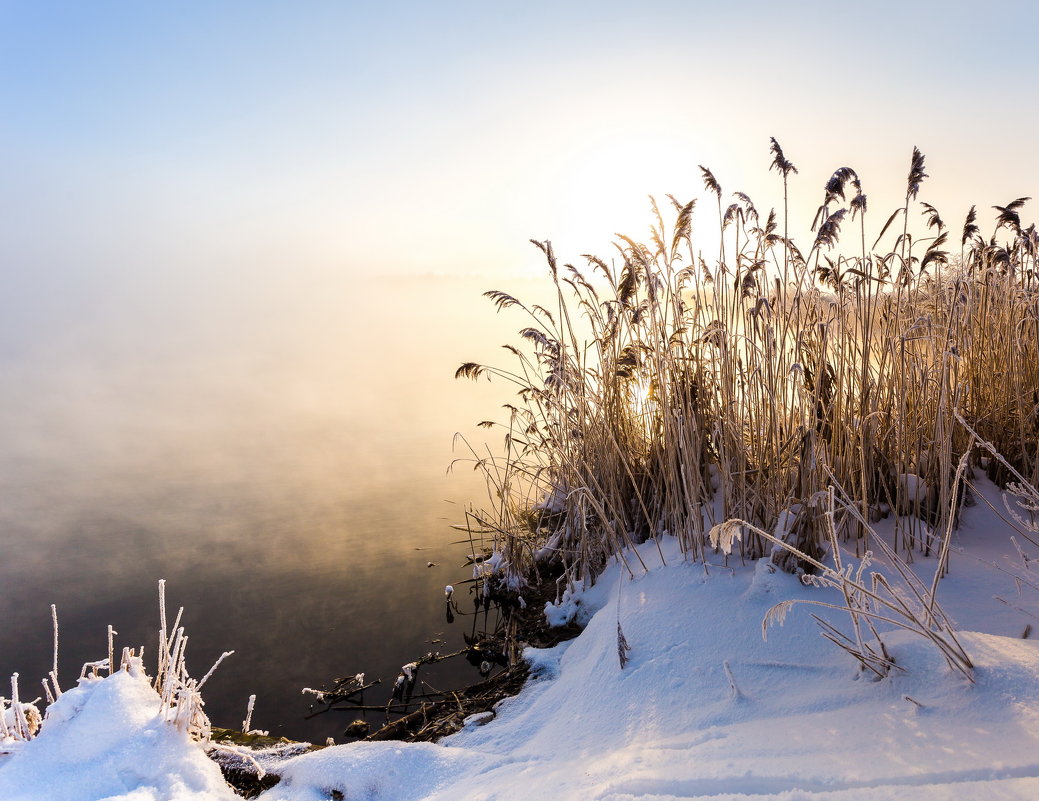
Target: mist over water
277 459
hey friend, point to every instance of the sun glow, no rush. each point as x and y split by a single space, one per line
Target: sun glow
643 396
605 187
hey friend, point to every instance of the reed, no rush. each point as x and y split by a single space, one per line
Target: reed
665 391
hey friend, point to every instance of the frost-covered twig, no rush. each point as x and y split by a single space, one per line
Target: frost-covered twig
247 723
241 753
216 664
54 669
734 690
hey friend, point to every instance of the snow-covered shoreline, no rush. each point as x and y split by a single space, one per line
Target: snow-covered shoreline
704 707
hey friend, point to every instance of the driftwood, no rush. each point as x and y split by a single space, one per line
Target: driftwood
397 730
340 692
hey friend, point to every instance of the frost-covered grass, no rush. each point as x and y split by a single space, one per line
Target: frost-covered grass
117 728
109 737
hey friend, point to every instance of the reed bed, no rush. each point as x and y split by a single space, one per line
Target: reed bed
668 390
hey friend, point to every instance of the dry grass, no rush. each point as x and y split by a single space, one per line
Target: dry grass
667 391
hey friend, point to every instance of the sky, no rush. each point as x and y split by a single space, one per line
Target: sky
145 144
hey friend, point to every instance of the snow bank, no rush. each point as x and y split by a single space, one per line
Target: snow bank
384 771
706 708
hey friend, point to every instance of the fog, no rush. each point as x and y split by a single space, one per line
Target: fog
278 456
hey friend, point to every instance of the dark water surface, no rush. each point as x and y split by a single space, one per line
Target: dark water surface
286 476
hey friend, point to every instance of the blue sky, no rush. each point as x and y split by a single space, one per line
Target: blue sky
165 147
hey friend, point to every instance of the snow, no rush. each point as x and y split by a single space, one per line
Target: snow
13 717
704 708
105 739
914 487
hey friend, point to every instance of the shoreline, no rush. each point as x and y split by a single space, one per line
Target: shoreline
431 720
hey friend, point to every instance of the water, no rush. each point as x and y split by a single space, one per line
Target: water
285 474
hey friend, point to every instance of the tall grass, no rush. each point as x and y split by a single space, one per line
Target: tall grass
663 390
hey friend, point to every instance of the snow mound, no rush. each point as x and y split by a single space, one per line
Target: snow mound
105 739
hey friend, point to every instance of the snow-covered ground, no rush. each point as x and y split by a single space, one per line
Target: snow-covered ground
704 708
